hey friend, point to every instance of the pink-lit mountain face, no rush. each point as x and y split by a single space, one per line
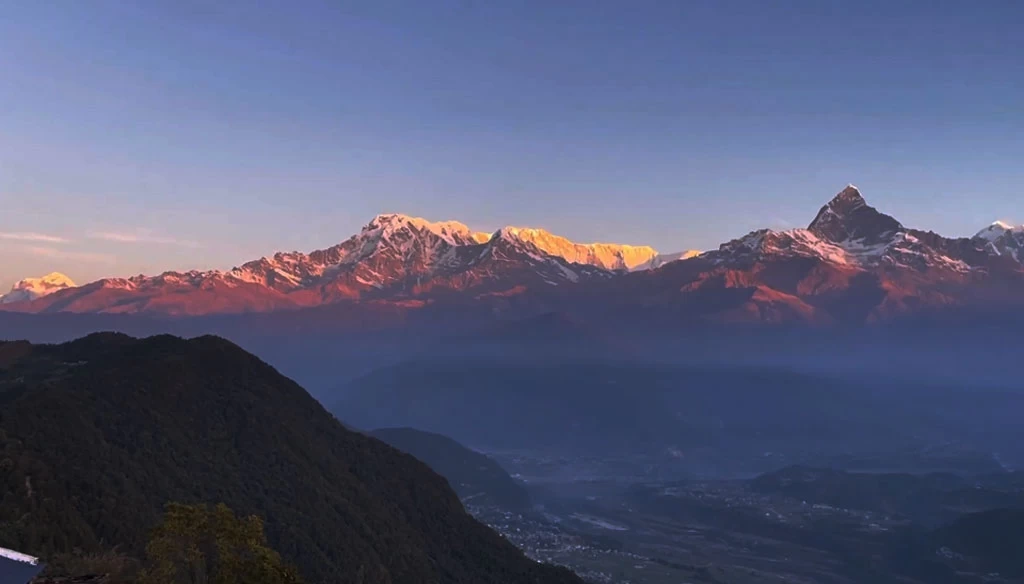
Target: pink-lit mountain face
394 258
32 288
851 264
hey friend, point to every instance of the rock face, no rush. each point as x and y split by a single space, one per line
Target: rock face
847 218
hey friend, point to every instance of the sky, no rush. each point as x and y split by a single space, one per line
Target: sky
137 137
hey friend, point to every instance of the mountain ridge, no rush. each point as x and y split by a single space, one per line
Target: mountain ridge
852 263
394 256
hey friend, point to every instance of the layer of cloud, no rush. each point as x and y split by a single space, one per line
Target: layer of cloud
140 237
30 236
63 254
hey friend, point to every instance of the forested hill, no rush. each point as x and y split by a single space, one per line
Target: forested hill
99 433
471 474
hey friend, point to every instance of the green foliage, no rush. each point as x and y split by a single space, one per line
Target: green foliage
197 544
103 431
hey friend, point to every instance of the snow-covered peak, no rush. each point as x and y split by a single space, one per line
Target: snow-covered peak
610 256
665 258
847 199
1003 239
53 279
996 230
508 232
843 204
32 288
453 232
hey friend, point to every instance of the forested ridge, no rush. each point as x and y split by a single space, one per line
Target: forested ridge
470 473
96 435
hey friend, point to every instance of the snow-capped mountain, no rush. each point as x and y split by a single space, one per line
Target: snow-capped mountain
847 231
602 255
663 258
996 230
32 288
388 249
1004 240
394 257
852 264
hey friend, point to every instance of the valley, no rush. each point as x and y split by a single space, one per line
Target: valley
886 516
730 532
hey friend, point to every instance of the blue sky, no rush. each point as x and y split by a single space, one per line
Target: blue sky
138 137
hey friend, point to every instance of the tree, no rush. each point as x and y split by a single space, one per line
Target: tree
199 544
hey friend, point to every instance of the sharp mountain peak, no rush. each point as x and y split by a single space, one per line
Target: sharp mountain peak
848 217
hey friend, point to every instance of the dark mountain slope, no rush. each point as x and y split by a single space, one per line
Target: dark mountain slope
990 541
471 474
97 434
977 547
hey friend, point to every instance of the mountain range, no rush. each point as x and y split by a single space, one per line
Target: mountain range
852 264
394 257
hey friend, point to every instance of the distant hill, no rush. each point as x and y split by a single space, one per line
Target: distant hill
97 434
977 547
474 476
497 402
601 406
989 541
547 337
928 499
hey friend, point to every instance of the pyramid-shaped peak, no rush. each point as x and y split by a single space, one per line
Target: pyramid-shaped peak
848 199
848 217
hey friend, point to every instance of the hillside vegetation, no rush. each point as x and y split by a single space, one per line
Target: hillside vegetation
96 435
473 476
